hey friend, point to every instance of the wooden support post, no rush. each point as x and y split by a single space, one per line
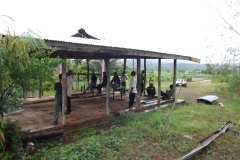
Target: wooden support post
88 71
107 64
124 65
78 79
77 76
40 89
145 77
40 86
64 93
174 77
159 81
138 83
103 68
133 64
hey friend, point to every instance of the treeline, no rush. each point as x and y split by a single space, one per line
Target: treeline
168 66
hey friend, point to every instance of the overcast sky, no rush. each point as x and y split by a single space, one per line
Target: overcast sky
170 26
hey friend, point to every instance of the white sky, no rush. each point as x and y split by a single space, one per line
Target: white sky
171 26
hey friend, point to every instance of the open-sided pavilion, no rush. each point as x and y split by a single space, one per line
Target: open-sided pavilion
74 48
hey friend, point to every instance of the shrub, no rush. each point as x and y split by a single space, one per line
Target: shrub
233 83
12 140
189 79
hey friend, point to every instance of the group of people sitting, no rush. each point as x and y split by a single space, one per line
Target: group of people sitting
115 83
151 91
93 83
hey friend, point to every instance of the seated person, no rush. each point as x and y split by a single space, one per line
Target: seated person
93 82
168 93
115 82
103 84
151 90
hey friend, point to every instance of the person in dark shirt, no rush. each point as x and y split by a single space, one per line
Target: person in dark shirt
115 82
93 82
103 84
151 90
168 93
58 99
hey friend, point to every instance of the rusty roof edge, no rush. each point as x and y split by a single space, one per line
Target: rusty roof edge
101 46
207 141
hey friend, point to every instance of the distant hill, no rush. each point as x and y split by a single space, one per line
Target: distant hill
168 65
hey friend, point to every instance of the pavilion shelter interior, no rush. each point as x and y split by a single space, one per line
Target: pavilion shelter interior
79 48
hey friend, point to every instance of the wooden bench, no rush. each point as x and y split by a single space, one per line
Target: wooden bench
114 90
118 89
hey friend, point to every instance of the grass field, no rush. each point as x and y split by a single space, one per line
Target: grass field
146 136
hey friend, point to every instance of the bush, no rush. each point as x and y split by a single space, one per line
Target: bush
13 141
233 83
189 79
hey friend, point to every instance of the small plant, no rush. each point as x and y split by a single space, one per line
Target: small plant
2 138
12 140
189 79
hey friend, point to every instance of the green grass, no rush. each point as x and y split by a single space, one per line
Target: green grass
143 136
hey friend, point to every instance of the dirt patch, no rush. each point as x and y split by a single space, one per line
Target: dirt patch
85 107
200 79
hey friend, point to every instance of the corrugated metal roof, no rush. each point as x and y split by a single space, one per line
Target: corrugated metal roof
100 49
92 42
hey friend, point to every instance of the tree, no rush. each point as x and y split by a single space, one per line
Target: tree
22 66
209 69
115 65
227 14
96 65
39 70
14 54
